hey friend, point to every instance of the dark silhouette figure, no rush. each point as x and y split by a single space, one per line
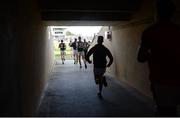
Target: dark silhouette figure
160 46
100 52
74 45
80 49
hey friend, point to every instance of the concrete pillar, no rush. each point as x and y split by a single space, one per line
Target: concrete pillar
34 55
8 51
26 57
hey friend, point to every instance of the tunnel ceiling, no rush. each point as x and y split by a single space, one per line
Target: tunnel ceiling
99 10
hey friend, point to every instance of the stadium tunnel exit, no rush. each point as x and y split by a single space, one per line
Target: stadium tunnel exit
26 51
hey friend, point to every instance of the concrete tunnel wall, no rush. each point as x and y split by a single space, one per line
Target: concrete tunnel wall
124 46
8 50
26 58
35 55
126 39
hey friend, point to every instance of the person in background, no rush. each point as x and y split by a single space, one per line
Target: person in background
62 47
89 42
86 46
81 52
75 53
160 48
70 43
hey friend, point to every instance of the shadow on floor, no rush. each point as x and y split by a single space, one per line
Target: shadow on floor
71 91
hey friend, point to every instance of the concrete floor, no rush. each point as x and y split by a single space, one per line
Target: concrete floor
72 91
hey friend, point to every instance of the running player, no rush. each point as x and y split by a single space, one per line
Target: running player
70 43
86 46
81 52
75 53
100 52
62 47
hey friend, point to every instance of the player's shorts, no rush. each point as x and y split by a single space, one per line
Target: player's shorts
62 51
75 52
81 53
98 72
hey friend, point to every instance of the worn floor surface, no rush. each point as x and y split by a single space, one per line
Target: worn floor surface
71 91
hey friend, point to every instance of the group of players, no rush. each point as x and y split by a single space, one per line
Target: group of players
79 49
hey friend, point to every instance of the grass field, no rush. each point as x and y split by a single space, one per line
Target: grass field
57 51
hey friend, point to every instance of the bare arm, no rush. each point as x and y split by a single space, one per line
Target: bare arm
89 53
110 57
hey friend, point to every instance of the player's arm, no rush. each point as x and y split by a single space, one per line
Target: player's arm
89 53
110 57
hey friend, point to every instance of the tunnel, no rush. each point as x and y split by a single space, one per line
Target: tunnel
27 58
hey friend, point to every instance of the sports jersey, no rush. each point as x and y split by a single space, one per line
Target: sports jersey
62 46
74 45
99 56
80 46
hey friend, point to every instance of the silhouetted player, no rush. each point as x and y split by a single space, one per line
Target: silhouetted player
62 47
86 46
100 52
160 46
74 45
80 49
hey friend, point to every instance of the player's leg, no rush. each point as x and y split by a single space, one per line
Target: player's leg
79 57
76 57
98 80
83 57
62 57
